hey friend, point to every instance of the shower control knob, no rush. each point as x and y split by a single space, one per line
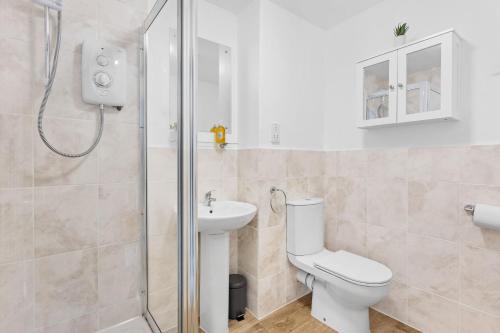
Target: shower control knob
102 60
102 79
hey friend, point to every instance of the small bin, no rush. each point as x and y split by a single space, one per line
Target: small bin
237 296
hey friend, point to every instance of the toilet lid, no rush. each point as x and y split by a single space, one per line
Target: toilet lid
305 202
354 268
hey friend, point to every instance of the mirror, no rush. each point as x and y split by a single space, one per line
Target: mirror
214 85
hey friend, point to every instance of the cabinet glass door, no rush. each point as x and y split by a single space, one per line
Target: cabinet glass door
423 86
378 98
424 77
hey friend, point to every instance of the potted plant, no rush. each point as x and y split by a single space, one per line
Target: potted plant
400 33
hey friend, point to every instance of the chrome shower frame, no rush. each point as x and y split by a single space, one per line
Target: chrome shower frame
188 272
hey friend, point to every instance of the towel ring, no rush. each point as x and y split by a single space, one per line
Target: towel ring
273 190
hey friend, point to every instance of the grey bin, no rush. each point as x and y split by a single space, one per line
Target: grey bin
237 296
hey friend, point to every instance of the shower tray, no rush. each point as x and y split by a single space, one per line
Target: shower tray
134 325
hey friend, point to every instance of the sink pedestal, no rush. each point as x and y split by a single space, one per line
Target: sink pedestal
214 281
214 223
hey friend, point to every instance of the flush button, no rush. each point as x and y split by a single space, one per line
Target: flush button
102 60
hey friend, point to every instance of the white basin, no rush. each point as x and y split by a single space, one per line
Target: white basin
214 224
225 216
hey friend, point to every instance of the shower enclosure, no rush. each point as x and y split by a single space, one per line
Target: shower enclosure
170 272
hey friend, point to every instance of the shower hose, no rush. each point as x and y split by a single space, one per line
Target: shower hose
48 89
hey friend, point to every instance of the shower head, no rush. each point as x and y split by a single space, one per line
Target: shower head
52 4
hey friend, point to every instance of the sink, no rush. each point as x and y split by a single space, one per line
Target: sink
214 224
225 216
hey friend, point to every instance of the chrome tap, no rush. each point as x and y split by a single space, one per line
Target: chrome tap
209 199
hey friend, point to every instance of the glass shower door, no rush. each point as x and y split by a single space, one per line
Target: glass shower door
170 240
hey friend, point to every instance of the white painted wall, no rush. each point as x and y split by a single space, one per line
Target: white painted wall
158 77
214 24
249 75
303 77
368 33
281 59
281 67
217 24
292 80
221 26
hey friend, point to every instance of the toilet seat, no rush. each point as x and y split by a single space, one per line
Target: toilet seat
344 265
353 268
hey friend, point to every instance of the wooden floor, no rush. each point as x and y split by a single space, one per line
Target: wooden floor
296 318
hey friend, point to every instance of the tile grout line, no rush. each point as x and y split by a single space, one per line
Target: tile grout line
33 212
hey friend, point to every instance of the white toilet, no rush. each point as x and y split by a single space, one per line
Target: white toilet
344 285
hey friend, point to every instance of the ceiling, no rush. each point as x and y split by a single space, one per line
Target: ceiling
323 13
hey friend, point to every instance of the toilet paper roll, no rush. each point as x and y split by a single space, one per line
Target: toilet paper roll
486 216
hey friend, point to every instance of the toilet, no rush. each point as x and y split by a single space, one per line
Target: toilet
344 285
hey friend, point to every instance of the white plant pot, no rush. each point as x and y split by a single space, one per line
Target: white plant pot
399 40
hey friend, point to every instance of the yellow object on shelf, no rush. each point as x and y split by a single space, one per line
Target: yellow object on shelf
219 134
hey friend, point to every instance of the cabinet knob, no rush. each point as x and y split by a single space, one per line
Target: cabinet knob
391 87
400 85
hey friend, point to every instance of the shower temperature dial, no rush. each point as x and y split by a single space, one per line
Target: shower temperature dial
102 79
102 60
104 74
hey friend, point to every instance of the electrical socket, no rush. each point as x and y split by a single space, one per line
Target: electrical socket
275 134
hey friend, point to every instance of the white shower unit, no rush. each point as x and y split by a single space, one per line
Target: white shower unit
104 74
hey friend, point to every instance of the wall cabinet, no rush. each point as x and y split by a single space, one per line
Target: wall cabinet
416 82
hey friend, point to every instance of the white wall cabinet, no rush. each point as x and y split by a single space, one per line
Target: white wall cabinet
416 82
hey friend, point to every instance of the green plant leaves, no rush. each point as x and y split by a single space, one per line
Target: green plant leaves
401 29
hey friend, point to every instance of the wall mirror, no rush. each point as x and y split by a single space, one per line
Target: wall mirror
215 89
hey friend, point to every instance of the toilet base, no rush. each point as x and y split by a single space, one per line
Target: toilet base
336 313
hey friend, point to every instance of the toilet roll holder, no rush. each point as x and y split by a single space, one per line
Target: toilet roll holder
469 209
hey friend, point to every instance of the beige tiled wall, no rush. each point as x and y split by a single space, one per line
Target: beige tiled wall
69 231
217 171
69 254
162 236
404 208
261 244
